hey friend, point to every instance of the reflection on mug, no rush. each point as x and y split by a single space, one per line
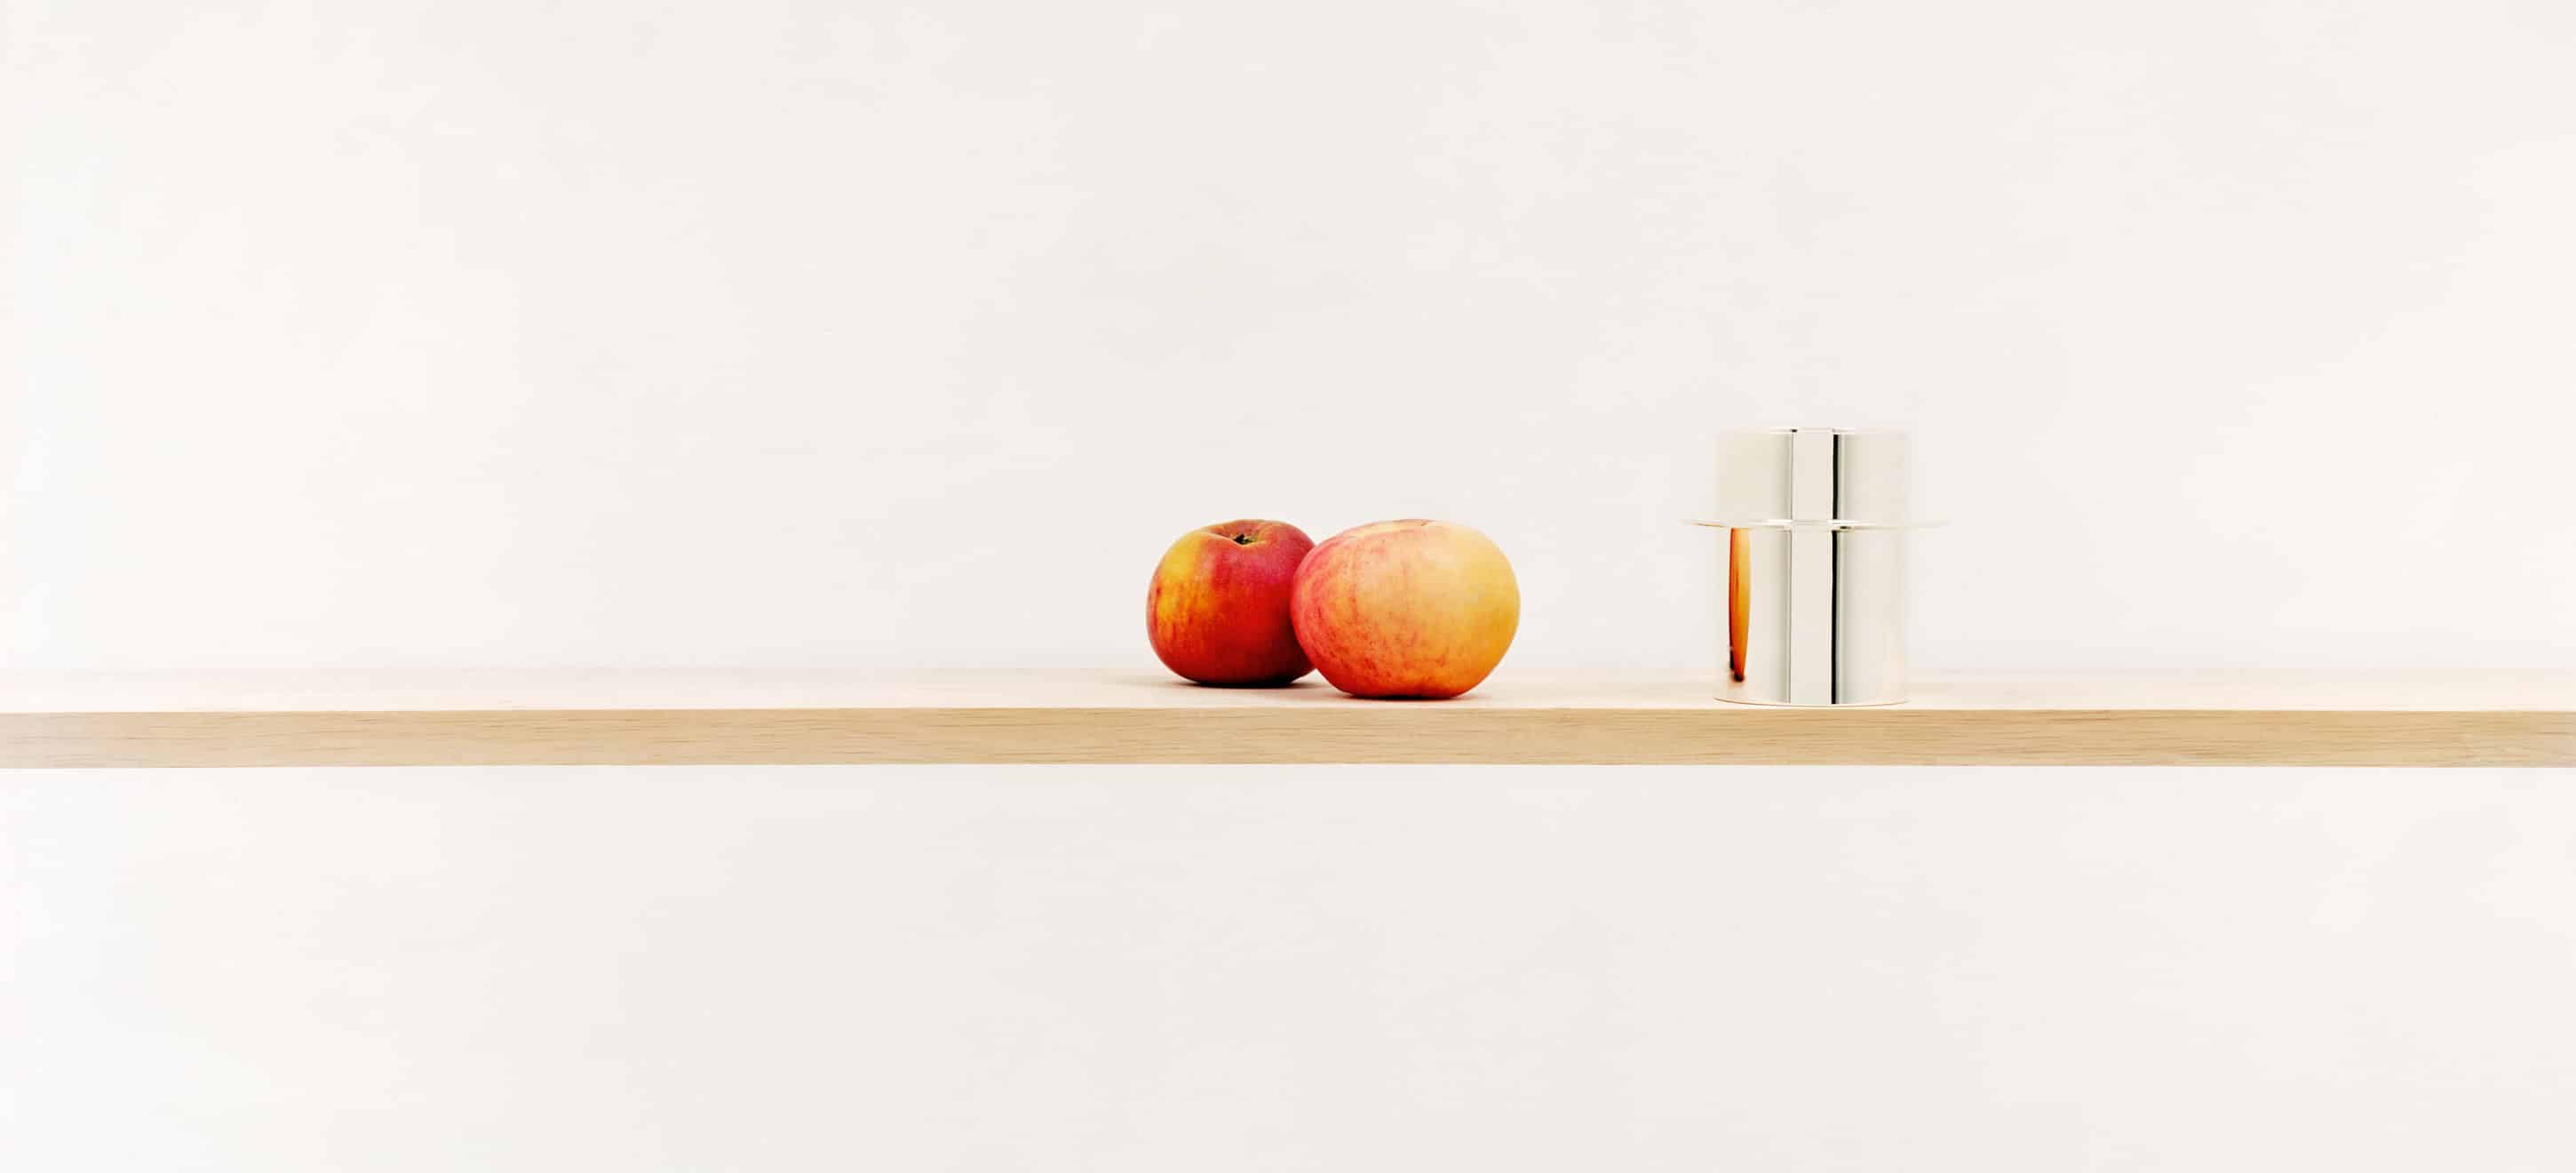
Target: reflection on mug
1739 597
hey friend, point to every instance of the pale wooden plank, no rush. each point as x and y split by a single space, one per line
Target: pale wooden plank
1134 688
624 718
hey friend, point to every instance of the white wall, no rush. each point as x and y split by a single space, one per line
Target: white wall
1149 970
587 333
590 333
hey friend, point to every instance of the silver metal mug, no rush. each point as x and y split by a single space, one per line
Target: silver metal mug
1816 522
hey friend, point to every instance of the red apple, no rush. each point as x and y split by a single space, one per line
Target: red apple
1406 608
1217 610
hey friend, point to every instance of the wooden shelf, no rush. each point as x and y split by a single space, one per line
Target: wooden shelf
647 719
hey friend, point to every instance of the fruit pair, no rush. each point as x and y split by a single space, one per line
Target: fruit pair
1394 609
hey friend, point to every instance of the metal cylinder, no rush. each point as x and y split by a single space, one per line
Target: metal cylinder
1816 522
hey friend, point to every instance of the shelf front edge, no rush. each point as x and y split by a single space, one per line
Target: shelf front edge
1418 734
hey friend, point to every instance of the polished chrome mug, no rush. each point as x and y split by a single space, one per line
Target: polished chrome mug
1816 522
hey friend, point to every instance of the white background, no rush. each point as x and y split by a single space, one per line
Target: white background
884 336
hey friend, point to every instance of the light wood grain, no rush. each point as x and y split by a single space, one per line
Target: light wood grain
650 719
